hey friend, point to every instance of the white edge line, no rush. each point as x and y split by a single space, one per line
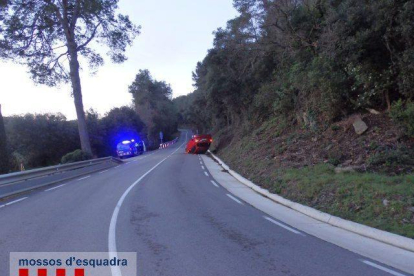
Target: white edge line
284 226
113 252
235 199
206 173
214 183
103 171
18 200
203 167
55 188
382 268
84 177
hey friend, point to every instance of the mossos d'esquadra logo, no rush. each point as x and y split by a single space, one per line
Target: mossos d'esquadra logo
72 264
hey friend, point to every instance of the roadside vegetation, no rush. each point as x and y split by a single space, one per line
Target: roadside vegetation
39 140
313 100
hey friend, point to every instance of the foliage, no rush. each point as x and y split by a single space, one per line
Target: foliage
324 59
121 124
49 36
76 156
404 115
42 139
41 33
153 103
39 140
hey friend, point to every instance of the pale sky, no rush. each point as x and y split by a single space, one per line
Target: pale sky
175 36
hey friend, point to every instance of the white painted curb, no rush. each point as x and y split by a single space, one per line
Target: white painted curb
363 230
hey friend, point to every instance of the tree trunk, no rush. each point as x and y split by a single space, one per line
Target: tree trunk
77 96
4 156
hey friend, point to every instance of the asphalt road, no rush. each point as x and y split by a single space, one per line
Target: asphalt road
169 210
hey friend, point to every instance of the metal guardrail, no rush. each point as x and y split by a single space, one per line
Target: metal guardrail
42 172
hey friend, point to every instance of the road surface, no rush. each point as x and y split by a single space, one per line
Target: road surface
166 207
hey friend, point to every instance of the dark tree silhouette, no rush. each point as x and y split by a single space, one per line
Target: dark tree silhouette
50 35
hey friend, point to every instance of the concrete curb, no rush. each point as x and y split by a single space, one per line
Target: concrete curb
363 230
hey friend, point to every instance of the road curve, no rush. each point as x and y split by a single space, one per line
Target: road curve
167 207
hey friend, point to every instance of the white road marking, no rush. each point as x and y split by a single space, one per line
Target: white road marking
382 268
55 188
113 252
117 166
206 173
84 178
201 163
203 167
214 183
13 202
1 206
103 171
235 199
284 226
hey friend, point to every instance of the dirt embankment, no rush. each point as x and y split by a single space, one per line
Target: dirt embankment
367 178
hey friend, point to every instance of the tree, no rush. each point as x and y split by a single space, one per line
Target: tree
153 104
40 140
4 156
120 124
49 36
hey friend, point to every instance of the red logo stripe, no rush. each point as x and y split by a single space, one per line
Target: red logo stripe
42 272
23 272
60 272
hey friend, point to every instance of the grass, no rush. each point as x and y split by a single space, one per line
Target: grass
379 201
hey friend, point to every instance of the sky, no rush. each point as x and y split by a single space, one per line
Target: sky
175 35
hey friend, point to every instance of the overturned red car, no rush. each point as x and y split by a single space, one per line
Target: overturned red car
199 144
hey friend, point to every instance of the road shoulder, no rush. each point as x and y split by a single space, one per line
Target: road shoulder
392 256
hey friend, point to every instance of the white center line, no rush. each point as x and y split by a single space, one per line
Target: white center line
235 199
382 268
284 226
214 183
84 177
18 200
55 188
206 173
202 167
103 171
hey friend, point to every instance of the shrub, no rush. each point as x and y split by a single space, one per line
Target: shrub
393 161
76 156
403 114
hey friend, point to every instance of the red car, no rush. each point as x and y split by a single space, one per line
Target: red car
199 144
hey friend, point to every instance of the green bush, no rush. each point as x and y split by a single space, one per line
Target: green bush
403 114
393 158
75 156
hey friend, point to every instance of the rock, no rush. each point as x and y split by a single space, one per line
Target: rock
373 111
344 169
411 209
347 163
359 126
385 202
